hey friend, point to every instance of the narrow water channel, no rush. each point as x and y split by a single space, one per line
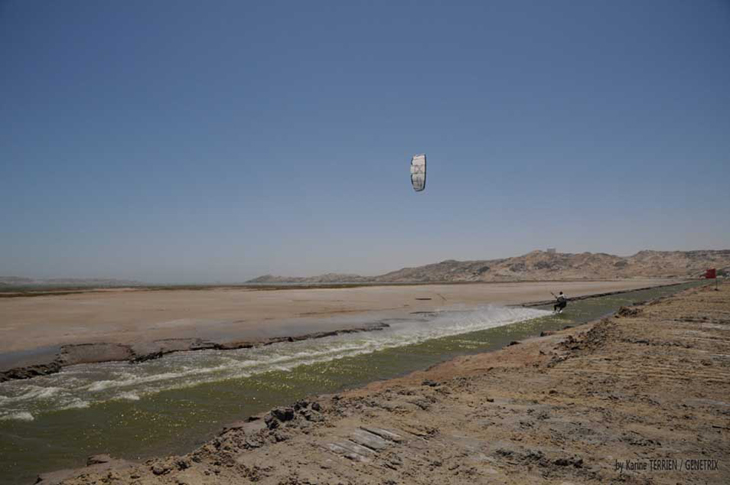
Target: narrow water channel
172 404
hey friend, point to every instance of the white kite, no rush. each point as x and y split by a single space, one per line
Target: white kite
418 172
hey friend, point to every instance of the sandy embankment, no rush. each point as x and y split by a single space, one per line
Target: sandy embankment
637 398
140 324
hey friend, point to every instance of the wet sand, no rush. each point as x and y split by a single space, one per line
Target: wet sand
139 316
638 398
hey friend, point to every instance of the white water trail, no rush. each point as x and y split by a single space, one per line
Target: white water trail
82 385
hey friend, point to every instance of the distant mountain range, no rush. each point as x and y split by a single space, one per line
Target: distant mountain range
65 282
534 266
539 266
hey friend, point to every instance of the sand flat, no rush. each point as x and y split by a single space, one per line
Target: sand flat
133 317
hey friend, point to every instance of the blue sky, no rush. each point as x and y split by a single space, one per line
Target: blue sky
216 141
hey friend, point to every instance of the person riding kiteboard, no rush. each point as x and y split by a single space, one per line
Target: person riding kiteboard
561 302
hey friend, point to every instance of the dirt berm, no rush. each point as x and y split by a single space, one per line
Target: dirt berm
639 398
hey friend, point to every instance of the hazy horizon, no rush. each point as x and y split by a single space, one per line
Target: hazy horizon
198 142
243 280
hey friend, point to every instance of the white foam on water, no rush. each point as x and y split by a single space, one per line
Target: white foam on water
129 396
31 392
75 403
79 386
21 416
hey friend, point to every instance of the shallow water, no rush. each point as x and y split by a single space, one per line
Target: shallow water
172 404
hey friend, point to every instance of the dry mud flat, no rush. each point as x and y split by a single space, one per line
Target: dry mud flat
642 397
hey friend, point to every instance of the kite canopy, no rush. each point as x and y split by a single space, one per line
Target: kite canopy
418 172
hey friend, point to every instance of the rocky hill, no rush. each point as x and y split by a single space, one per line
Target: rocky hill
540 265
321 279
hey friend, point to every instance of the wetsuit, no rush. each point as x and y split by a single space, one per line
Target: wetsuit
562 303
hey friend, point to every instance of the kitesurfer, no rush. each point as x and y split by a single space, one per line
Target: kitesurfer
561 302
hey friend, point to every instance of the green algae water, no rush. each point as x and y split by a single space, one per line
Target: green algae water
175 403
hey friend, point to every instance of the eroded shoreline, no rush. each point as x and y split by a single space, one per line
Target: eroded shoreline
95 353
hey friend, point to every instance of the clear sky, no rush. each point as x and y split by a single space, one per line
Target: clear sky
216 141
